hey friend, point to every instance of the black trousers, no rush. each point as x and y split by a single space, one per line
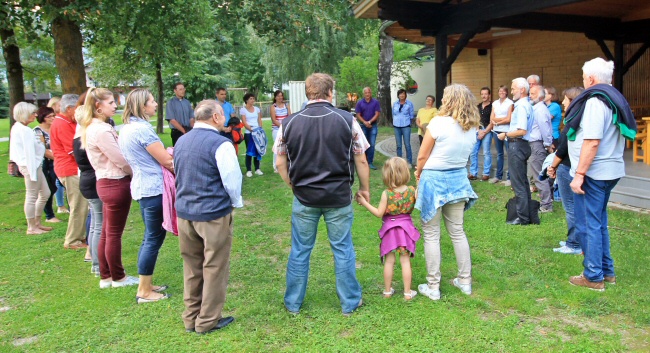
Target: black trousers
518 154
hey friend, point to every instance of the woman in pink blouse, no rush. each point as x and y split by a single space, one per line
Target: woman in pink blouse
113 173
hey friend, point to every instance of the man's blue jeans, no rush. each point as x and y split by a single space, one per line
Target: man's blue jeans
371 136
483 144
500 157
591 227
304 225
564 179
405 134
151 209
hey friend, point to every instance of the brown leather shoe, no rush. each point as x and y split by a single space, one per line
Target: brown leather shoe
582 281
485 178
75 247
610 279
471 177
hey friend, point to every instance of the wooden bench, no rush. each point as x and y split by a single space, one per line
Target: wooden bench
642 143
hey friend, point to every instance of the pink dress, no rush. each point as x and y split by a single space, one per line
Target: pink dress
170 223
398 230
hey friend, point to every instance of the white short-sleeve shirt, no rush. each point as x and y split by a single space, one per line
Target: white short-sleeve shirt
453 145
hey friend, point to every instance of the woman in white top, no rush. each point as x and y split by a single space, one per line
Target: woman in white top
251 117
500 120
443 187
279 111
27 151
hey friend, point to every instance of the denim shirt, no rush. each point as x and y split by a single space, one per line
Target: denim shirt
440 187
403 118
135 137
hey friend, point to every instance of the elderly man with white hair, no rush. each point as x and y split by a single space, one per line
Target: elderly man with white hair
541 139
533 80
208 188
596 142
518 136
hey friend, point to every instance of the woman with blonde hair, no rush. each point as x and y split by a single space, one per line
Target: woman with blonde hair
145 152
113 174
443 187
27 151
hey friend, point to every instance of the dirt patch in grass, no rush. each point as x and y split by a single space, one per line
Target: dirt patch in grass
23 341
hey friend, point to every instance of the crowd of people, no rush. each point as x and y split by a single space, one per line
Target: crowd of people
317 152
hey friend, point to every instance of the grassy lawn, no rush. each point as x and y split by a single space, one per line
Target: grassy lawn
522 301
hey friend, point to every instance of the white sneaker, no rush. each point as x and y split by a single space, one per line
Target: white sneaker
494 180
249 174
505 183
259 172
433 294
567 250
94 269
562 243
465 288
128 281
105 283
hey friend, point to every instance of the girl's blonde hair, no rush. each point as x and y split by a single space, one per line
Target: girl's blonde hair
396 172
52 102
459 103
135 102
86 112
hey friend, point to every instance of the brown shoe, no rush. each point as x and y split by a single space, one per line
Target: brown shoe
610 279
471 177
485 178
75 247
581 281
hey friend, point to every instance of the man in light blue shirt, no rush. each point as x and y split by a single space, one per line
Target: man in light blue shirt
541 139
519 150
228 111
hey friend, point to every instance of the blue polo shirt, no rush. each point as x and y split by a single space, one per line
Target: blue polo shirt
522 117
228 110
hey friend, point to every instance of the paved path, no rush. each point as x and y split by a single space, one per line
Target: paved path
388 147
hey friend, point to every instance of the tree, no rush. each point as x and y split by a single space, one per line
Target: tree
384 68
157 37
67 16
9 16
4 100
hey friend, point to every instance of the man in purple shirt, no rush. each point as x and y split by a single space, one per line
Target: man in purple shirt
367 111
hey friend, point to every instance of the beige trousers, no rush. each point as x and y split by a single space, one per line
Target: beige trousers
205 248
36 193
76 233
453 214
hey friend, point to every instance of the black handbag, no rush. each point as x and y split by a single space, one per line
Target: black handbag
511 210
13 170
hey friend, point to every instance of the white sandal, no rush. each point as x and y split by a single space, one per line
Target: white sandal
389 293
409 296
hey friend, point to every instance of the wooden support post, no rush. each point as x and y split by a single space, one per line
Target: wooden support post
619 64
441 65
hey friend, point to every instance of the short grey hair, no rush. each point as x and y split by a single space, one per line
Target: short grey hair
521 82
542 94
69 100
22 111
206 109
600 69
534 77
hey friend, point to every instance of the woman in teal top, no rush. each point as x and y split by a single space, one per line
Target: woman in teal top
553 107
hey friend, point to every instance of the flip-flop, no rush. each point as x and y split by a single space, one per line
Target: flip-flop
389 293
141 300
161 288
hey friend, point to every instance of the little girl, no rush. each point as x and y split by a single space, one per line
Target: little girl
398 234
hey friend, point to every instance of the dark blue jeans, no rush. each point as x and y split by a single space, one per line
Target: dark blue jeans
591 227
371 136
518 154
151 209
404 133
564 186
500 157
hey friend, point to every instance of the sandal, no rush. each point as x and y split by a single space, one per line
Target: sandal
389 293
409 296
160 289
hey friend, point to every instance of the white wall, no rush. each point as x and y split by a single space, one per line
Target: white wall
297 95
425 76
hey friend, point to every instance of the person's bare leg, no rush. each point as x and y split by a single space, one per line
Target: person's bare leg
389 263
145 288
405 262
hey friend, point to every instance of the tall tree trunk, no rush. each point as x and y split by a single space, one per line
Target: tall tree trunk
161 100
11 53
68 56
383 78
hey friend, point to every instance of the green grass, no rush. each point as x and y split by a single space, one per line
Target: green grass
522 301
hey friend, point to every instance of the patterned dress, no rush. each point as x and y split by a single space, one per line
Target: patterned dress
398 232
